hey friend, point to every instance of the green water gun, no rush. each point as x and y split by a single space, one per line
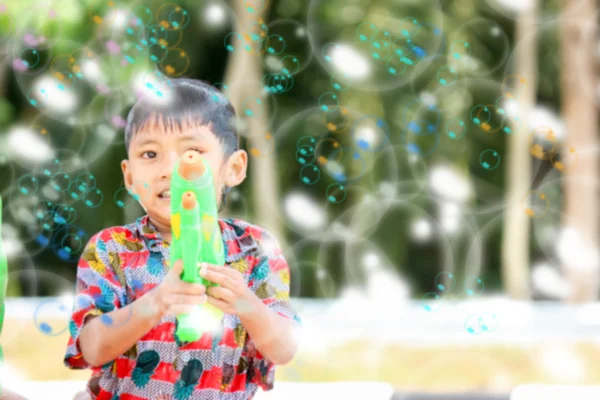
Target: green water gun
3 283
196 237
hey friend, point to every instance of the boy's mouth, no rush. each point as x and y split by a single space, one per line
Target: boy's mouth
165 194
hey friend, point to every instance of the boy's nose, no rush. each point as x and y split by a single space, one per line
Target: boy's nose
169 163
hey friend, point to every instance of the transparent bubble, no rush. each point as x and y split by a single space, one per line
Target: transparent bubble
278 83
68 242
566 160
255 6
474 324
336 193
261 146
473 286
60 182
381 46
24 233
339 120
77 192
297 53
310 174
397 65
487 118
28 185
253 107
65 214
122 198
60 67
291 65
445 282
343 164
536 204
446 75
456 128
484 55
61 89
379 55
85 182
44 212
398 174
29 60
305 154
172 16
489 159
93 198
51 317
459 49
512 85
325 285
340 82
141 191
142 16
370 133
51 167
431 302
543 143
420 145
176 63
275 44
233 41
489 322
329 101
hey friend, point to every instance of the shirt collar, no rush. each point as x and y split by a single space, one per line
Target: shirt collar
231 231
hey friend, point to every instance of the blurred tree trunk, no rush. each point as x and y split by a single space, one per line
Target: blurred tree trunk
515 243
243 78
578 46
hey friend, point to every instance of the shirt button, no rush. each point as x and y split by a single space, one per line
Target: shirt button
185 357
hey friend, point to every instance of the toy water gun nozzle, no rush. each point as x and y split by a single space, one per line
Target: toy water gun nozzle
189 201
191 167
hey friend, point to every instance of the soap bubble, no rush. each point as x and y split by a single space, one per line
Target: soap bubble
445 282
310 174
28 185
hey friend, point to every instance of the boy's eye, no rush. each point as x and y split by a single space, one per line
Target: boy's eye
198 150
148 154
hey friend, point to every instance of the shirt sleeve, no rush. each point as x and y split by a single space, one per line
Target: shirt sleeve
270 280
98 291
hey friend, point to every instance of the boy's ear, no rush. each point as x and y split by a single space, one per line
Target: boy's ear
236 168
127 177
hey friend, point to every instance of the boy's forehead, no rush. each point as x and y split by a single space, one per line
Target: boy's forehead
172 132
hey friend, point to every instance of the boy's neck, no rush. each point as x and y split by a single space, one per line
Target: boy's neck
164 231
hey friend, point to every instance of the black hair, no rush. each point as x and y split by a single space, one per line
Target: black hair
188 101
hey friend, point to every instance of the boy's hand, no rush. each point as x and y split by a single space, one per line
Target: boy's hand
173 296
233 296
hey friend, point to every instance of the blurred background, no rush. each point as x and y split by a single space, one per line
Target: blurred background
429 167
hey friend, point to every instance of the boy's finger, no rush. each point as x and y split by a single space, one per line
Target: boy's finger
185 299
215 277
189 288
219 269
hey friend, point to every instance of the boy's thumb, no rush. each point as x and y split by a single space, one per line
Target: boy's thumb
177 268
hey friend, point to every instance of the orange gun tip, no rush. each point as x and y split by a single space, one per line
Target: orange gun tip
188 200
191 166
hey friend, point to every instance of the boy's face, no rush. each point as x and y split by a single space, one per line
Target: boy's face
153 153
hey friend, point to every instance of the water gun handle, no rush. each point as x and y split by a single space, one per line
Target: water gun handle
196 237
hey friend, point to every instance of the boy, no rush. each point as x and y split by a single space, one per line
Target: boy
128 295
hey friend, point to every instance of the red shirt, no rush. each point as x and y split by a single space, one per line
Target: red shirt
122 263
